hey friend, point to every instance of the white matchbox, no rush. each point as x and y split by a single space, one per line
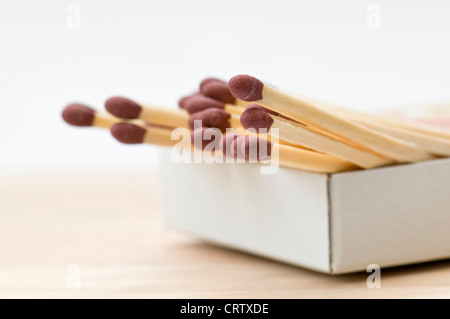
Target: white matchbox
331 223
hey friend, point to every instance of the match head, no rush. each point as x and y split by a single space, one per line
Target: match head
78 115
246 87
257 106
229 147
218 91
210 80
199 103
128 133
123 107
182 101
213 117
256 118
202 137
254 148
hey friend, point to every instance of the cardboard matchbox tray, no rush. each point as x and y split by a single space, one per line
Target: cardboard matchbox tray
332 223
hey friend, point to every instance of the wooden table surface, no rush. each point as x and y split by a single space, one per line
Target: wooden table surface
111 226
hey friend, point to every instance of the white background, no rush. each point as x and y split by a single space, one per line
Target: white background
157 51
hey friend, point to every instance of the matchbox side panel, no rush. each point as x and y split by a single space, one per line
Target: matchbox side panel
283 216
390 216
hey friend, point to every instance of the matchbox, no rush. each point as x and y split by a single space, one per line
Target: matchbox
332 223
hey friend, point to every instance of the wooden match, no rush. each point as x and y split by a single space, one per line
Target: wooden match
292 157
161 116
294 133
128 133
197 103
404 124
434 144
215 117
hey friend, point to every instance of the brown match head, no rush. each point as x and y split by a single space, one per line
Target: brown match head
199 103
246 87
182 101
213 117
123 107
257 106
218 91
255 148
128 133
78 115
256 118
229 147
210 80
236 147
202 137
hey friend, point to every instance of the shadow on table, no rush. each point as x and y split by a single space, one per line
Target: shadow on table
398 271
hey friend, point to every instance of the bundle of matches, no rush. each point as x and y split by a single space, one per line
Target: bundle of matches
366 141
245 114
253 148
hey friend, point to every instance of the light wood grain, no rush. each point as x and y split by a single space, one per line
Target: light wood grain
111 225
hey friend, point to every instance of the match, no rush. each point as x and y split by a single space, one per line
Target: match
294 133
292 157
434 144
182 101
214 117
128 133
404 124
128 109
197 103
250 89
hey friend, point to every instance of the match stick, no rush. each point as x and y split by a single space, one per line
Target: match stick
81 115
215 117
236 146
294 133
431 143
406 124
403 123
248 88
133 134
291 157
129 109
218 89
197 103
